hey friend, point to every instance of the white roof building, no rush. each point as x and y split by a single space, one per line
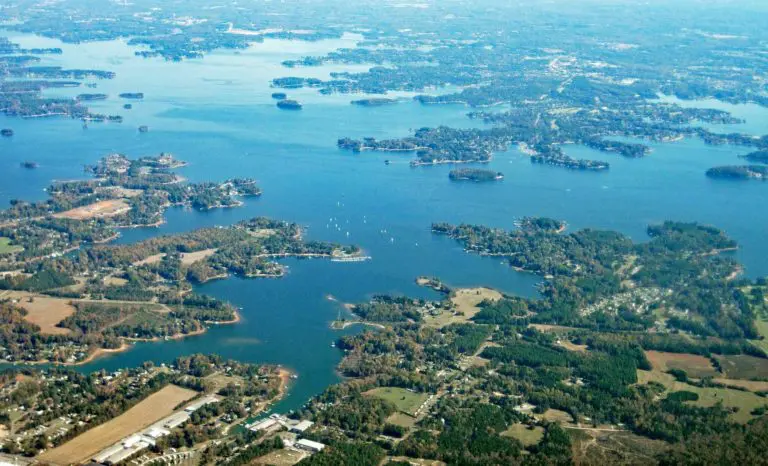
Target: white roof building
263 425
200 403
175 420
302 426
310 445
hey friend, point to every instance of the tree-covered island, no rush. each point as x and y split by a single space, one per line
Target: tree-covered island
740 172
475 174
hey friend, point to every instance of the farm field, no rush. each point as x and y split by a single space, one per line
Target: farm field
694 365
406 401
108 208
744 401
743 366
43 311
150 410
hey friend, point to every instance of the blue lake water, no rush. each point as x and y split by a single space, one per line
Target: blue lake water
217 114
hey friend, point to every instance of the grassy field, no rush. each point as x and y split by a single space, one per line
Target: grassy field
751 385
744 367
552 328
403 420
465 302
762 329
406 401
147 412
572 346
525 435
693 365
6 247
744 401
555 415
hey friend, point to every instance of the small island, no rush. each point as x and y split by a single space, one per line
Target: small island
91 97
739 172
375 102
279 95
760 156
475 174
288 104
6 132
132 95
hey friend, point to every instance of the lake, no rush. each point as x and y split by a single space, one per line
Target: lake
217 114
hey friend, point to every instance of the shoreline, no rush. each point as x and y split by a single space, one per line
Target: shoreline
125 346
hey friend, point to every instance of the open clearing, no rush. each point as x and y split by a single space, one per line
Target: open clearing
402 420
417 461
281 458
762 329
189 258
552 328
153 259
744 401
555 415
43 311
572 346
108 208
605 447
751 385
527 436
116 191
6 247
153 408
743 367
693 365
466 302
404 400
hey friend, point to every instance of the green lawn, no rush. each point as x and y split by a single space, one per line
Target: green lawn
525 435
744 401
762 329
6 247
405 400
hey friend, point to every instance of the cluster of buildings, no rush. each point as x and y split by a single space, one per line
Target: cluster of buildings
276 422
135 443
